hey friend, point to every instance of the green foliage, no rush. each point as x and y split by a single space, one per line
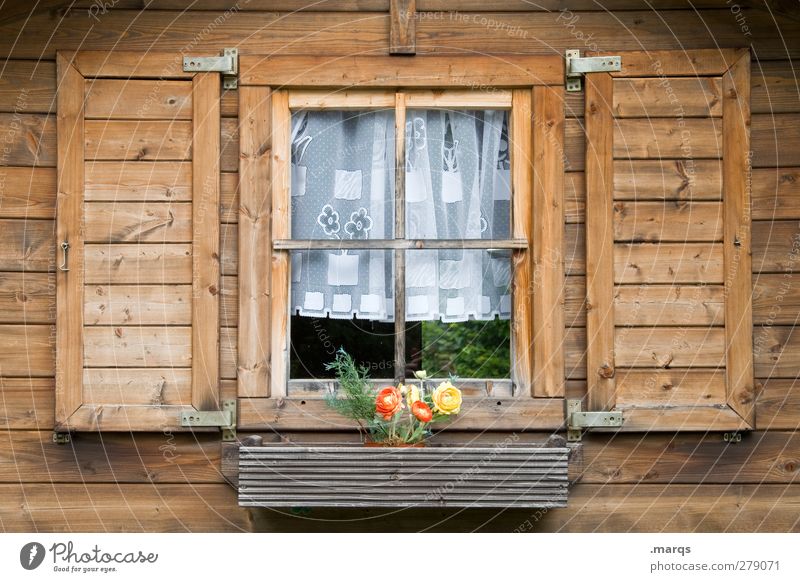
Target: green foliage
470 349
355 400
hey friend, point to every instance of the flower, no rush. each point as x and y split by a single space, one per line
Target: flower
412 394
421 375
329 220
388 402
446 398
422 411
359 225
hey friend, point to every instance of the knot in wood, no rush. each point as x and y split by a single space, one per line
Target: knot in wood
606 371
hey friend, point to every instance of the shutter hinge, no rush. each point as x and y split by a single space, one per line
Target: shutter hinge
227 64
577 66
224 419
578 420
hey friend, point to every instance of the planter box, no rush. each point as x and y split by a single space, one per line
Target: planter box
355 476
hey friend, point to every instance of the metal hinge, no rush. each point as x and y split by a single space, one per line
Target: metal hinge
577 420
577 66
224 419
227 64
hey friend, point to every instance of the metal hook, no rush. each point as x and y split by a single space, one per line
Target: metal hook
65 249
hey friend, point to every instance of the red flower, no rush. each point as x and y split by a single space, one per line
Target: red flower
388 402
422 411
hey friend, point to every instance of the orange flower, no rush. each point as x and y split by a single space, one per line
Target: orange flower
388 402
422 411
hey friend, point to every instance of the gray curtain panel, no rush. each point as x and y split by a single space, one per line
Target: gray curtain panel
457 187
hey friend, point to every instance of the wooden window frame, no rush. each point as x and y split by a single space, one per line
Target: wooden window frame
532 87
74 70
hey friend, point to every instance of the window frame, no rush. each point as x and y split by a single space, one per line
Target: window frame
270 89
399 101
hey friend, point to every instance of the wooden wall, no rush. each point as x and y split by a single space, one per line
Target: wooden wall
172 482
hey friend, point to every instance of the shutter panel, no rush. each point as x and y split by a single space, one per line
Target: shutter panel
669 323
138 204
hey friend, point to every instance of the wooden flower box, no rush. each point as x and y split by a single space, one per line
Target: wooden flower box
357 476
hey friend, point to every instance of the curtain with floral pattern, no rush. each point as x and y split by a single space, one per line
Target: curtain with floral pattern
457 187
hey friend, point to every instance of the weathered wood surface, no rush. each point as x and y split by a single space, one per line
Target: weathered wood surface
29 299
275 476
402 27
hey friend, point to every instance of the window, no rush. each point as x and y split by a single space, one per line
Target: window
405 273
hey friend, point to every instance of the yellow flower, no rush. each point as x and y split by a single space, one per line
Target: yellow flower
446 399
412 394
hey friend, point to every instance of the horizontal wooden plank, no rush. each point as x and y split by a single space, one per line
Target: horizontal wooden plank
134 140
575 301
775 246
776 193
138 99
668 263
228 342
27 192
229 145
109 458
668 97
668 180
129 386
27 350
776 299
137 305
27 298
760 458
774 88
126 64
133 508
667 221
117 222
663 347
659 138
27 403
778 404
769 135
657 305
229 197
776 351
656 388
27 245
28 86
140 347
411 71
346 99
138 263
574 249
483 414
28 140
229 301
138 181
683 418
229 248
665 63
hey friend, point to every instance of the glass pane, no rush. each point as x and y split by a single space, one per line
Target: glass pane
468 349
458 285
342 174
315 341
458 174
343 284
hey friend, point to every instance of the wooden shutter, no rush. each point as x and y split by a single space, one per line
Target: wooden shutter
669 323
138 196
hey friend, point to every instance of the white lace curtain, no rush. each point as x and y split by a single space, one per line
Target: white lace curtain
457 187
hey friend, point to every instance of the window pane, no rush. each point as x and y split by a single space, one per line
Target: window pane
468 349
458 174
342 174
458 285
343 284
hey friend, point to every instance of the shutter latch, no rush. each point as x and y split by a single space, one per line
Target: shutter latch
227 64
224 419
577 66
578 420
